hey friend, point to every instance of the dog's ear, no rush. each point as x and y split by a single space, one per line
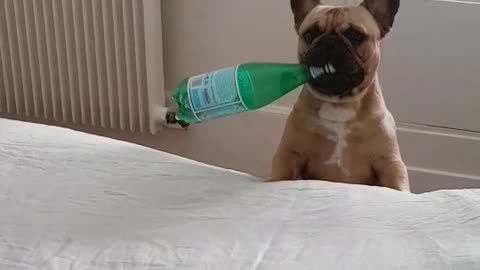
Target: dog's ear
301 8
384 12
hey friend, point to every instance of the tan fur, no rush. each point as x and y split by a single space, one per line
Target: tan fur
368 152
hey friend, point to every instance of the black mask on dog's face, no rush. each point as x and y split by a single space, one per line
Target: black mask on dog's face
335 68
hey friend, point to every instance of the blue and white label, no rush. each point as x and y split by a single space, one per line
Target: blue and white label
214 95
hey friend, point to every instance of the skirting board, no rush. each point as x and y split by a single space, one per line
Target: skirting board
437 158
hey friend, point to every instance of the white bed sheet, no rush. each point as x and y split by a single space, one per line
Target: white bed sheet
74 201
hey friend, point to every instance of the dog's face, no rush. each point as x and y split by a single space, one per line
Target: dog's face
343 43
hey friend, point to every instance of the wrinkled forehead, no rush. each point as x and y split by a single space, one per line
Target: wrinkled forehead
329 18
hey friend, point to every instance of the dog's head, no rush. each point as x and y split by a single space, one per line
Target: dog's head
343 43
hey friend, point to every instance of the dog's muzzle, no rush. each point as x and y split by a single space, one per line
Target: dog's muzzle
335 70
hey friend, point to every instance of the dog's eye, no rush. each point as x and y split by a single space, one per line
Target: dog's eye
310 35
355 37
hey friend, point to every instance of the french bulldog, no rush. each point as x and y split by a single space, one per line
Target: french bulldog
340 129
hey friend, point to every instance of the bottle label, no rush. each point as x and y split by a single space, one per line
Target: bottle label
214 95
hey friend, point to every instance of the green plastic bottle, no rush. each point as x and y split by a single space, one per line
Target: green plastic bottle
233 90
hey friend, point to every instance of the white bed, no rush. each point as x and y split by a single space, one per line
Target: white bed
74 201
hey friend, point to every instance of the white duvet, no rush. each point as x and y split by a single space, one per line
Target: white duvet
75 201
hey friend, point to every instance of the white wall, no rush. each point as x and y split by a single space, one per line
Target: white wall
208 34
430 70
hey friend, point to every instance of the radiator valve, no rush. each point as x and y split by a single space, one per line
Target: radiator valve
171 119
166 117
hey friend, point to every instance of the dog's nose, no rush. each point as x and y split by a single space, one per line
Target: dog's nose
331 42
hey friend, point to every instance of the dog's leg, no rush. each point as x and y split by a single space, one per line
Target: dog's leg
392 173
287 166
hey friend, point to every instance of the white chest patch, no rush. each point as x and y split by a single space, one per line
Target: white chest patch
335 119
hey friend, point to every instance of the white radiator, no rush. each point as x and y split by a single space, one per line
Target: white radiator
82 62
